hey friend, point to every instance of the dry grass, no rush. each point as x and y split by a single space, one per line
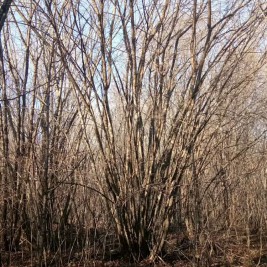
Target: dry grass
218 250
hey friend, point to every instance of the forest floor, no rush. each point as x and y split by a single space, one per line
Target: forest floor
214 252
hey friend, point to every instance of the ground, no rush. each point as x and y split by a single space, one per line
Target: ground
216 251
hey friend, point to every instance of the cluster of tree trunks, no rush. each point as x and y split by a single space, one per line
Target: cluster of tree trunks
133 116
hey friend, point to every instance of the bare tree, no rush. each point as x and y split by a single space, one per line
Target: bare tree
4 11
145 106
166 95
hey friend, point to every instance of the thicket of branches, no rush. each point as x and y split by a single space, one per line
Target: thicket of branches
136 117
